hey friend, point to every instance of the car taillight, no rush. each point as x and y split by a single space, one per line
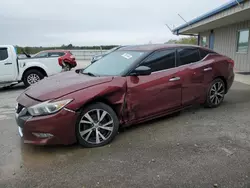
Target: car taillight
60 61
231 62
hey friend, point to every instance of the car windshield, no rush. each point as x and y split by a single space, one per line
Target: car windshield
111 50
113 64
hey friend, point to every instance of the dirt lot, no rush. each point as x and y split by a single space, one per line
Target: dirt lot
199 148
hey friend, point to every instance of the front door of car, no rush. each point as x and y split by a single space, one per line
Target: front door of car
158 92
8 66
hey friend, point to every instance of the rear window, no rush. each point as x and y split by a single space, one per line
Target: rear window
188 55
56 54
204 53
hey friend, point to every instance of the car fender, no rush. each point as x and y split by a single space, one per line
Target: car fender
23 66
112 93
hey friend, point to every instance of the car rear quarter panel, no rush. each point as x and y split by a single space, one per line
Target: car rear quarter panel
113 93
222 68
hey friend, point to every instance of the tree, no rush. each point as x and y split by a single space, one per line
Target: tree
184 40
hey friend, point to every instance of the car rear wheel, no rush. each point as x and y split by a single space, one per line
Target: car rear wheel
97 125
216 93
32 76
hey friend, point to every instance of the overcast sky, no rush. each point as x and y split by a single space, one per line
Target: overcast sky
94 22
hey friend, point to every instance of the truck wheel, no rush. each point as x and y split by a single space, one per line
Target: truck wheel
32 76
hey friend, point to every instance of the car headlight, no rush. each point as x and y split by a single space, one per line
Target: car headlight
48 107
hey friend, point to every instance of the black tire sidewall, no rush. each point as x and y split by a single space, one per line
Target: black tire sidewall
32 71
105 107
208 101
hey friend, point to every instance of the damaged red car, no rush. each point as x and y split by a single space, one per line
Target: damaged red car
131 85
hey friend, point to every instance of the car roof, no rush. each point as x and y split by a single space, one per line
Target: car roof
55 51
153 47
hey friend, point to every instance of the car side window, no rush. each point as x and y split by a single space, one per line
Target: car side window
188 55
56 54
3 54
41 55
161 60
61 54
204 53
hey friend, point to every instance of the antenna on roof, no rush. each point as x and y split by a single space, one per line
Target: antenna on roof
183 19
169 28
239 4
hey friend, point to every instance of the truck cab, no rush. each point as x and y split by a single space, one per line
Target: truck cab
28 71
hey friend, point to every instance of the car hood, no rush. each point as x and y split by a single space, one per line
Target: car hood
62 84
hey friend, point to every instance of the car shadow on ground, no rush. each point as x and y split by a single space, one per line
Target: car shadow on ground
12 88
236 96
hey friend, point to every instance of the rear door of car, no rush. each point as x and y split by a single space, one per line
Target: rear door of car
158 92
196 74
207 64
187 61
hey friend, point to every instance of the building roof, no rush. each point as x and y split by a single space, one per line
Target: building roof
153 47
222 8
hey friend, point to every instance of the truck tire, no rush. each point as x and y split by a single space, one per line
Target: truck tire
32 76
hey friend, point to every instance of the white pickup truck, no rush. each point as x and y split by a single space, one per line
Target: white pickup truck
28 71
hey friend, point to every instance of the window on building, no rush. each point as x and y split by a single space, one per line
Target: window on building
161 60
243 41
204 41
188 55
3 54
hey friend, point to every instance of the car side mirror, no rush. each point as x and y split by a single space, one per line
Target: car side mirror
78 70
141 71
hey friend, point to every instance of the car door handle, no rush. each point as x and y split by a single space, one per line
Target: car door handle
208 69
174 79
7 63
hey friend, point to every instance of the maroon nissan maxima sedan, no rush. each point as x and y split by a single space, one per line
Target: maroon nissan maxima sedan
131 85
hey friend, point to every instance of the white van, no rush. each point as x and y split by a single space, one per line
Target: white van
28 71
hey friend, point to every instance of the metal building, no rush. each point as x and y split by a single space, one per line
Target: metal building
225 30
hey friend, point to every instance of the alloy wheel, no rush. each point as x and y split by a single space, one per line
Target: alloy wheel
96 126
217 93
33 78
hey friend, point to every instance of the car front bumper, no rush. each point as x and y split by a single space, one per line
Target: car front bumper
61 127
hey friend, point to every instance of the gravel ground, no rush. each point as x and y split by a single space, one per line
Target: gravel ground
199 148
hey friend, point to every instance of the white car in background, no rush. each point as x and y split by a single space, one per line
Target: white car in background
28 70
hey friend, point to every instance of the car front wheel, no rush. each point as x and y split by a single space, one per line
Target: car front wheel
216 93
97 125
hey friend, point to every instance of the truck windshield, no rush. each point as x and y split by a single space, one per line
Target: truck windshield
113 64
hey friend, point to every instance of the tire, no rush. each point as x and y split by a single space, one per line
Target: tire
92 131
32 76
67 67
215 93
